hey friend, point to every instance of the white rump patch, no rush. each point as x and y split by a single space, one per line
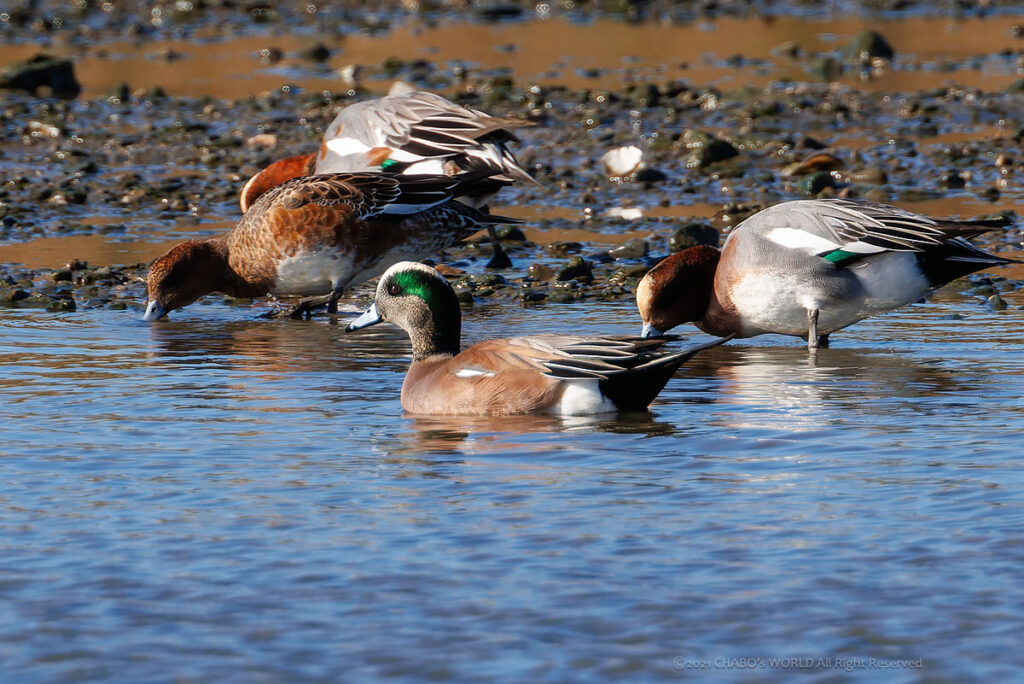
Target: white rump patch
582 398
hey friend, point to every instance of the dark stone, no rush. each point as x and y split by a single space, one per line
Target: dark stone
867 45
952 180
816 182
693 234
541 272
651 175
706 149
564 247
577 269
39 71
633 248
511 234
317 53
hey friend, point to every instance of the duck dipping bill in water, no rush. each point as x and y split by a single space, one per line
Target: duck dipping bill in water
809 268
561 375
316 235
418 133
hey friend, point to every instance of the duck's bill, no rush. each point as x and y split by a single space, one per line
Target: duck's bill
370 317
154 312
650 331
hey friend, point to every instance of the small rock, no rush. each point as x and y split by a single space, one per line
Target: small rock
42 71
625 213
693 234
629 273
996 302
1004 160
60 275
650 176
633 248
817 182
563 247
448 271
870 176
511 234
705 149
868 45
827 69
577 269
814 163
622 161
952 180
77 265
788 49
263 140
317 53
541 272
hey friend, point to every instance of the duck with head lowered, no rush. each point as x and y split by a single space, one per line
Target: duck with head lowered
410 133
316 235
809 268
560 375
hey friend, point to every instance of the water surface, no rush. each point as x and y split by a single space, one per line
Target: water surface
230 499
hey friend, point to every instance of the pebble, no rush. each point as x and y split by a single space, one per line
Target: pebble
541 272
633 248
577 269
622 161
692 234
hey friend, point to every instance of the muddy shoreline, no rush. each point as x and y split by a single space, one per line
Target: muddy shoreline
137 169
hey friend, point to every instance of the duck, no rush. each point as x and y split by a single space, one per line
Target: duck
808 268
561 375
415 132
316 235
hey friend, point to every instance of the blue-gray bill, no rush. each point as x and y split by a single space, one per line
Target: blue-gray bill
369 317
650 331
154 312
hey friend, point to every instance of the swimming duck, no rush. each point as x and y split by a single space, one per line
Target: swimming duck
315 235
415 132
561 375
809 268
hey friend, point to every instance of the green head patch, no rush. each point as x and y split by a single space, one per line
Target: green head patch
428 285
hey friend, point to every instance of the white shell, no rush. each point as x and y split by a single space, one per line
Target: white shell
622 161
625 213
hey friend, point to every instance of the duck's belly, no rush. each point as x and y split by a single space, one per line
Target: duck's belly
311 273
770 303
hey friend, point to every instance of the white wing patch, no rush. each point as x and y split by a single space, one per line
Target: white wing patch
473 373
794 238
344 147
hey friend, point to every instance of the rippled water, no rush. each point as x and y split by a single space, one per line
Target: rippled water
217 498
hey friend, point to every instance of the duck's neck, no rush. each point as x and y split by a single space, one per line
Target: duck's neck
680 289
441 334
216 264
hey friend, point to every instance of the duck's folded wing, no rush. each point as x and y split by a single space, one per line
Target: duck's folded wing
369 194
561 357
820 226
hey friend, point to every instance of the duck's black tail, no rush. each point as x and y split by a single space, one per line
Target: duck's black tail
634 389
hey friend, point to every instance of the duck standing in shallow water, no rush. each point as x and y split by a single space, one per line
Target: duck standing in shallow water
809 268
315 235
417 133
560 375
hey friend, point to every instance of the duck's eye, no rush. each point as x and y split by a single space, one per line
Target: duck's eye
394 289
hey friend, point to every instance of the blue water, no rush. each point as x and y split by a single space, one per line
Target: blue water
216 498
